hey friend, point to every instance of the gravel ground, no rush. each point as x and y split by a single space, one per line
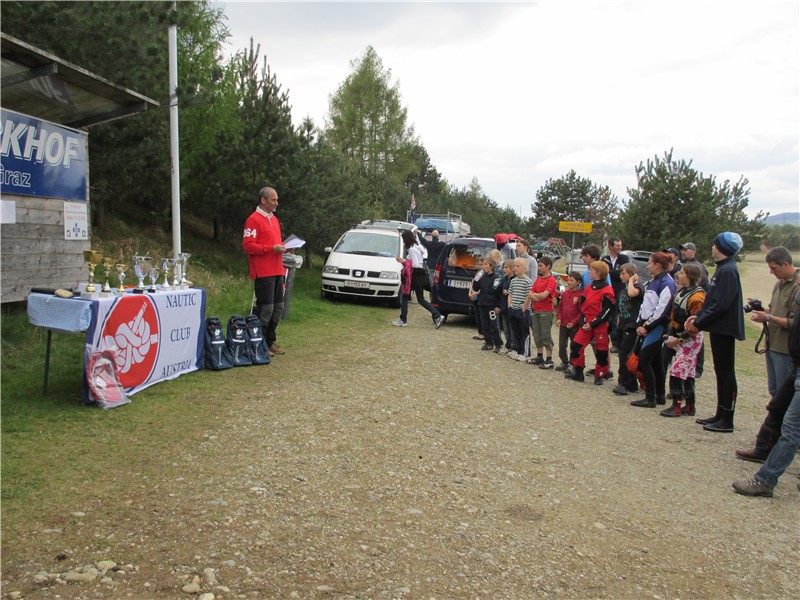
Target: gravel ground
413 465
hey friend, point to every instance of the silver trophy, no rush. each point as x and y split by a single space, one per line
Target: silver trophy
175 264
108 266
153 276
184 256
141 266
165 270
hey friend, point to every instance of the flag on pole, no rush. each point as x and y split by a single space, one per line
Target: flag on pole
413 218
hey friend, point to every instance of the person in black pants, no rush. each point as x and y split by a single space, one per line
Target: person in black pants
723 317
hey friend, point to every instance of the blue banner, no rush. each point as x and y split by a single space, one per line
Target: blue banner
38 158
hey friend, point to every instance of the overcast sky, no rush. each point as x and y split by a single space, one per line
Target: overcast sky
517 93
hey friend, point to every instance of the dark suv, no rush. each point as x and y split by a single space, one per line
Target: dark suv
453 274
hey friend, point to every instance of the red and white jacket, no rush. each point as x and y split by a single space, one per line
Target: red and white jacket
262 232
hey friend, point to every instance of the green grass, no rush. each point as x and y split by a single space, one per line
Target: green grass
54 442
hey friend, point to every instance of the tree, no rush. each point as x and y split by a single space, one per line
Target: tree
674 203
367 121
568 198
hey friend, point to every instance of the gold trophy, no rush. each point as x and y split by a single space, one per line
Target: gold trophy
108 264
92 258
121 268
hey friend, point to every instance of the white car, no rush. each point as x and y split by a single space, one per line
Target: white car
362 263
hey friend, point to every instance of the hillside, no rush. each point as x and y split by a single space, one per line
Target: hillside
789 218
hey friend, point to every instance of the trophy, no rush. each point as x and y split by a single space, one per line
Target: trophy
153 274
141 266
92 258
121 268
176 269
108 264
165 270
185 256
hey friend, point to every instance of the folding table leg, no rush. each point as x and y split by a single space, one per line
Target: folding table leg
47 359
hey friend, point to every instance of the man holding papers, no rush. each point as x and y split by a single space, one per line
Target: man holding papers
263 244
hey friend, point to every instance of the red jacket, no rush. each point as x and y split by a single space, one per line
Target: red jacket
569 309
261 234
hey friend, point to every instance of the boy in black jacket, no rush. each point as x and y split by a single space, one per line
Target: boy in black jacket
489 290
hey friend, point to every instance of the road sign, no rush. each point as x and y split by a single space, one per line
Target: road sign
575 226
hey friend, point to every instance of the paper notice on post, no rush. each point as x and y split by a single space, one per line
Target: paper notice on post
293 242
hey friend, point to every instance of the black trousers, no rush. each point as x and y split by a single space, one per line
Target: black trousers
723 351
269 305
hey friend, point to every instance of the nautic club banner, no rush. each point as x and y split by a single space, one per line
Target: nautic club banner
156 337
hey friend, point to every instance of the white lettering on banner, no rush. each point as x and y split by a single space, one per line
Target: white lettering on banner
180 334
175 368
39 145
180 300
17 178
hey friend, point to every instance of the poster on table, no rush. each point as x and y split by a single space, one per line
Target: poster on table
156 336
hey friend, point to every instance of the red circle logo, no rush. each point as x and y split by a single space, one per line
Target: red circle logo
132 328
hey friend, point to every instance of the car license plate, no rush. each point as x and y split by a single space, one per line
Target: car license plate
357 284
457 283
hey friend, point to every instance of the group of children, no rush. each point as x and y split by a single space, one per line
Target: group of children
523 311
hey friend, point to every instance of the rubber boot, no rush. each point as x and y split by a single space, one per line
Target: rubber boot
766 438
675 409
688 409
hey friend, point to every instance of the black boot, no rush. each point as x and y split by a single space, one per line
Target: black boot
647 402
578 374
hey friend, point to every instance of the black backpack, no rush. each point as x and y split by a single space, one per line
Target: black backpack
216 355
237 342
259 352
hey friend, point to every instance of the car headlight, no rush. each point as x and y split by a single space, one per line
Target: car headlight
330 269
389 275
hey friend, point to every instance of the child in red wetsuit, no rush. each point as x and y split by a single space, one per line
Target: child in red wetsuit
568 317
597 303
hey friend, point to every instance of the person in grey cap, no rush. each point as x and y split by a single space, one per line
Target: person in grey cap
723 317
434 248
689 255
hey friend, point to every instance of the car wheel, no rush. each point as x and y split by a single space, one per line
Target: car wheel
329 296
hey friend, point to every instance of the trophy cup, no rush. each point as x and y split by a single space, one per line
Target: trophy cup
165 270
121 268
185 256
141 266
108 265
176 268
92 258
153 274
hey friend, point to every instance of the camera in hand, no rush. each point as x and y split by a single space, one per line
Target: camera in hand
754 304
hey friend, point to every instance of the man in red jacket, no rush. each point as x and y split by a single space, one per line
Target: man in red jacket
263 244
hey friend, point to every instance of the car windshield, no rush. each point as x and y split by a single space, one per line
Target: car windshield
371 244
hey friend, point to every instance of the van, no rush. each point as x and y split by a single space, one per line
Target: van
453 274
363 264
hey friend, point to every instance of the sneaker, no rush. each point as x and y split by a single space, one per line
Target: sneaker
620 390
569 372
752 487
487 347
608 375
536 361
498 349
438 322
547 364
512 354
521 358
562 367
598 381
275 349
614 350
399 323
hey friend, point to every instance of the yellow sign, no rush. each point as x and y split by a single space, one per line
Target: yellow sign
575 226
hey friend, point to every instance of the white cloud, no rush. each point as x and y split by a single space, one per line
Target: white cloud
518 93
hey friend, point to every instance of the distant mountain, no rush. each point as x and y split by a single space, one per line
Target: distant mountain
783 219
